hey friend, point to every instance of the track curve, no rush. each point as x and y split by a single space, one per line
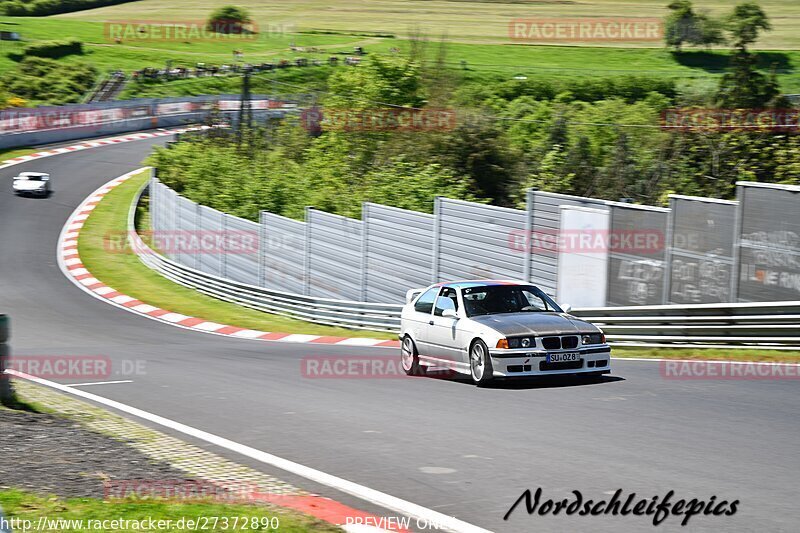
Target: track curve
443 444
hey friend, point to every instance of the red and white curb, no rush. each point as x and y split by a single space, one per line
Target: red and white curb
95 144
70 261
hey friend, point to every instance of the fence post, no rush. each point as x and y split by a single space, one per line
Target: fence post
198 234
223 267
437 226
307 255
737 247
668 238
528 237
262 250
364 248
153 207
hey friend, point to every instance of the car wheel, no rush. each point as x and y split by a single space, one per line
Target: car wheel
480 364
409 358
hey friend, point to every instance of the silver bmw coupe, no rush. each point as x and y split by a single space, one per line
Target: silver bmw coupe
491 328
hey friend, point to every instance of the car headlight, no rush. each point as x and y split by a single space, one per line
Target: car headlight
521 342
593 338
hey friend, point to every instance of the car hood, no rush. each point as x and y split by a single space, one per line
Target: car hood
537 324
25 185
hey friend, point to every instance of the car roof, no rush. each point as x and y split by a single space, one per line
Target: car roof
463 284
33 174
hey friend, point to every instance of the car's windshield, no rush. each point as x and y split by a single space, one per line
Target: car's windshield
499 299
32 178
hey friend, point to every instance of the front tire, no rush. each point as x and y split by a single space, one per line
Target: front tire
480 363
409 358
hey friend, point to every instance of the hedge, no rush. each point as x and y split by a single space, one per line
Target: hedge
35 8
54 49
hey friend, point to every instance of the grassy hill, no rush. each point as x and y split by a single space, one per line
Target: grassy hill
484 21
476 32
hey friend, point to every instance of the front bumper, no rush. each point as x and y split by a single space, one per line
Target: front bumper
30 192
521 362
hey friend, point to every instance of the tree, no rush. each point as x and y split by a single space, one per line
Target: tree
580 164
684 25
478 148
381 80
746 22
620 173
744 86
229 19
679 24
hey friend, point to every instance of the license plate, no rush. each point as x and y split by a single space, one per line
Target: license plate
562 357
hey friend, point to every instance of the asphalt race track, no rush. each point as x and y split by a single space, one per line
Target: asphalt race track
440 443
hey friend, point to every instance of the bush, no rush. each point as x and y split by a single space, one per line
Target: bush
54 49
46 81
229 19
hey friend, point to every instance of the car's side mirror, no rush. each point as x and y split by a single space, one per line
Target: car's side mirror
449 313
411 294
566 308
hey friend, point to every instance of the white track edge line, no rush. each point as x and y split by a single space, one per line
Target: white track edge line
381 499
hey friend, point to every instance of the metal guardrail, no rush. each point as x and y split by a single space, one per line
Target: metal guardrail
772 325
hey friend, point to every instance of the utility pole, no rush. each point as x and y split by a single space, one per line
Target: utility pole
245 104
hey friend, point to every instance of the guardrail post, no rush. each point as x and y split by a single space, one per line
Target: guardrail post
437 226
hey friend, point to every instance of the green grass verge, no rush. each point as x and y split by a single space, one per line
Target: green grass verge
125 273
25 506
11 153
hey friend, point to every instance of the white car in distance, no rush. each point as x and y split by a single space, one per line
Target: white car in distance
31 183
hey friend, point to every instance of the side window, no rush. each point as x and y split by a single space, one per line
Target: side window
535 301
446 300
425 302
